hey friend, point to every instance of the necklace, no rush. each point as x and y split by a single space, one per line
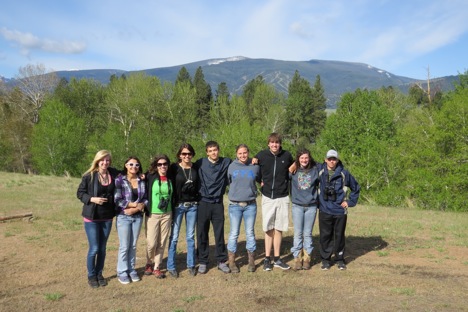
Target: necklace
104 178
189 178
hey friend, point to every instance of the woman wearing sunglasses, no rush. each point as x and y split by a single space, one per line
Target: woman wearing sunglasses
130 199
158 214
185 180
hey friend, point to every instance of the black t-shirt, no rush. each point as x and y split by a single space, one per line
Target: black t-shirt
185 191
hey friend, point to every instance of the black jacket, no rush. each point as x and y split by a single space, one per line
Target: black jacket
88 189
274 170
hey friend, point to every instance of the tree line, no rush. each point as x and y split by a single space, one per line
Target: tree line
404 149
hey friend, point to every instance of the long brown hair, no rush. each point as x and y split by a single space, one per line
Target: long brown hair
154 164
301 152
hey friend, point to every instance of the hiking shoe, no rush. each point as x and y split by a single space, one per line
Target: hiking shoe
124 279
192 271
223 267
341 265
93 282
173 273
134 277
202 268
325 266
280 264
159 274
267 265
149 269
101 280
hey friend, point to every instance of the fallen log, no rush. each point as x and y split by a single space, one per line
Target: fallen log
18 216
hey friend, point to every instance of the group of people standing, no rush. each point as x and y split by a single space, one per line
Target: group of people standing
167 192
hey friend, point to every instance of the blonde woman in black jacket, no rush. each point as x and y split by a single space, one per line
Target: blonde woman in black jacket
96 192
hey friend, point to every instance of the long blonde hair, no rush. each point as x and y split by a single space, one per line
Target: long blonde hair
95 164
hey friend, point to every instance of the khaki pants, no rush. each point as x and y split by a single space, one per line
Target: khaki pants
157 228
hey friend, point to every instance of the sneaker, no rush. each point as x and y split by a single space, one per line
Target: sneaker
267 265
149 269
101 280
173 273
280 264
192 271
159 274
124 279
341 265
93 282
134 276
325 266
202 268
223 267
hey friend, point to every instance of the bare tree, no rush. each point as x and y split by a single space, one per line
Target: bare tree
36 83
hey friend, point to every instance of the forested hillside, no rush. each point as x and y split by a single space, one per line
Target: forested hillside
403 149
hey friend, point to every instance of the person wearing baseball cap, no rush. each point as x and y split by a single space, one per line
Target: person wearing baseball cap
338 191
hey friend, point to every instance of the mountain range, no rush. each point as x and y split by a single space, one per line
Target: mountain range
337 77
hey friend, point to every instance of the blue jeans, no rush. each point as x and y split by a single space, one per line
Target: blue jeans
236 213
97 233
190 222
128 228
303 220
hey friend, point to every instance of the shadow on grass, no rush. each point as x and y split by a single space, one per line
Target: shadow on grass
356 246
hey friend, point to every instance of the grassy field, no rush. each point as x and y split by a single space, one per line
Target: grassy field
399 260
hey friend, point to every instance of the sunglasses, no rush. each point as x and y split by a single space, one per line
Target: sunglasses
133 164
186 154
162 164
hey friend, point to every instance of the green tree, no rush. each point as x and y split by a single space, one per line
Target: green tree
204 98
183 76
361 131
222 91
59 141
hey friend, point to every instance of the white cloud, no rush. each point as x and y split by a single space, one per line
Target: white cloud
26 42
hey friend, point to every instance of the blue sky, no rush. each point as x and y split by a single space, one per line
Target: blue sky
404 37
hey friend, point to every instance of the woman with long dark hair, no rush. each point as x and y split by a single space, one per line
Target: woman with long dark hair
130 198
158 214
185 180
304 187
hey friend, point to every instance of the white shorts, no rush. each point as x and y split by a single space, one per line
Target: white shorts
275 213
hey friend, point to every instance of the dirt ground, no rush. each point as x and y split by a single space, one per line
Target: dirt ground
38 265
398 260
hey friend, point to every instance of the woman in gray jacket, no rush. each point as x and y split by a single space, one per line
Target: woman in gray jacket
304 186
242 175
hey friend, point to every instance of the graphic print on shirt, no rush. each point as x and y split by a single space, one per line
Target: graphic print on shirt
304 180
243 173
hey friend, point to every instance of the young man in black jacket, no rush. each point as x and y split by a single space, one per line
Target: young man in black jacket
212 171
274 163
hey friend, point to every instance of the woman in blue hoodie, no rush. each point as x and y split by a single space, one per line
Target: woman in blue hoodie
242 175
304 186
338 191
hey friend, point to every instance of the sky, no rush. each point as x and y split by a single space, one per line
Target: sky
411 38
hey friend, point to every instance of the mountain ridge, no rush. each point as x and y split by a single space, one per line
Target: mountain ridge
337 77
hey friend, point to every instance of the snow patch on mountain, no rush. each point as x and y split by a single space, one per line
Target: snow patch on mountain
228 59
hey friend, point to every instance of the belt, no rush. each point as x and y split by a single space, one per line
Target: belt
243 203
307 205
188 204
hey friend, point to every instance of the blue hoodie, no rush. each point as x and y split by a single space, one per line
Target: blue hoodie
334 207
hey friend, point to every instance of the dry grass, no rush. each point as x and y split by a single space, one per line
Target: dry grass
399 260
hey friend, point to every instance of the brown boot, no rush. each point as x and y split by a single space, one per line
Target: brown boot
306 261
298 262
232 262
251 266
